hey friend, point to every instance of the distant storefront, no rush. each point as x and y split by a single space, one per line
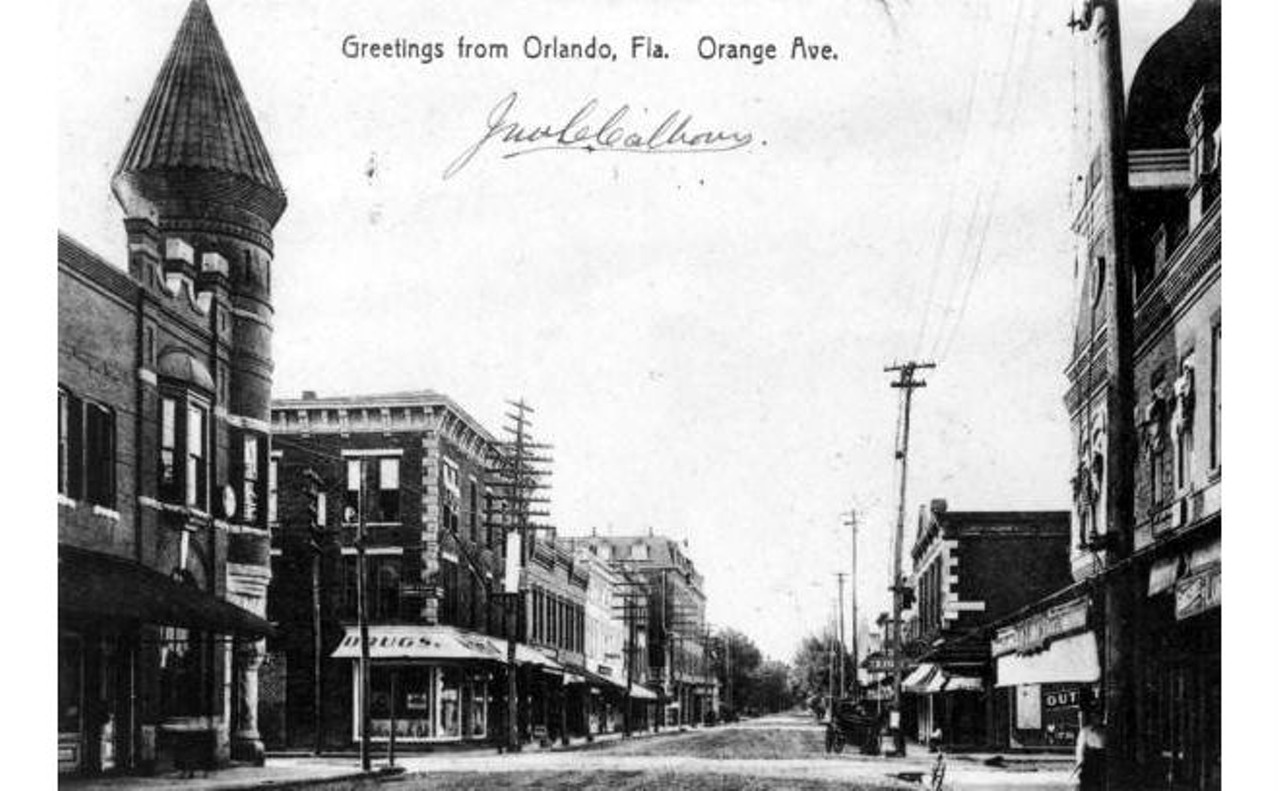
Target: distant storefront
1044 664
435 683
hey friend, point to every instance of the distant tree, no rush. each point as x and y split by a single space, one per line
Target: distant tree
812 667
747 679
736 658
770 688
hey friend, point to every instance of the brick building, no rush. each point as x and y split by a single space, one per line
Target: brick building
971 568
676 632
1160 671
164 380
605 643
435 555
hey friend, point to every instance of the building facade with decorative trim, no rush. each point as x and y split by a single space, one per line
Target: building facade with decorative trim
970 569
414 466
1158 668
164 381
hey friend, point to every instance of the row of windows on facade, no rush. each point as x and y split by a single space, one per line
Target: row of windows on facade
556 621
1159 421
1166 477
382 492
87 454
387 600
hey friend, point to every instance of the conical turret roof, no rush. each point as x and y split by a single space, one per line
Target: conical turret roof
197 117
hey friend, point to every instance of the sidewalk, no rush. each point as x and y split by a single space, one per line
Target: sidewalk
277 773
473 748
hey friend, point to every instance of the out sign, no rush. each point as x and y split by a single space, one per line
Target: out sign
1062 699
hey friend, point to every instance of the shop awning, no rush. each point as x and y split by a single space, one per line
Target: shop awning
918 680
94 585
527 655
436 643
440 643
963 684
640 692
578 675
1069 660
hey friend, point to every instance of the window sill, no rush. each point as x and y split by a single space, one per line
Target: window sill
114 516
65 501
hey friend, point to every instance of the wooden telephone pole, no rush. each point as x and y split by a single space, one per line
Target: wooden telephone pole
634 610
519 473
1119 600
840 575
907 383
853 595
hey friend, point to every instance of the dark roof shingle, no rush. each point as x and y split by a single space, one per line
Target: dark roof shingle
197 116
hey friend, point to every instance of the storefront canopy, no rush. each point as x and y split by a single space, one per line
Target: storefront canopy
639 692
929 678
920 679
1069 660
94 585
436 643
963 684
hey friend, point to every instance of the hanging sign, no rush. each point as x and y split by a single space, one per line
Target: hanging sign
1034 633
1198 593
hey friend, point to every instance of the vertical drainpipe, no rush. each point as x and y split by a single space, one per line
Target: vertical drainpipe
135 639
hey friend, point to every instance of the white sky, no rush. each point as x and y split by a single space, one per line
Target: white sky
702 336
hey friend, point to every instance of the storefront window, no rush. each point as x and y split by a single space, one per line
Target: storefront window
414 703
431 703
184 671
450 708
70 683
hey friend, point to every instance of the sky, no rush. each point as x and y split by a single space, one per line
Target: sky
703 337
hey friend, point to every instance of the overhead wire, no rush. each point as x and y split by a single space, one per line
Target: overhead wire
944 234
1005 155
944 307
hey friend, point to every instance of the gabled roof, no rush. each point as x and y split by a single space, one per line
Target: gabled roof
197 116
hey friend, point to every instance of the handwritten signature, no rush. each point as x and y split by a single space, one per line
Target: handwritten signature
673 135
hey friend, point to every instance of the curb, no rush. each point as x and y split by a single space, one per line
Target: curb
343 781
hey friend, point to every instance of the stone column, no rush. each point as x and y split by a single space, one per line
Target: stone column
246 742
247 587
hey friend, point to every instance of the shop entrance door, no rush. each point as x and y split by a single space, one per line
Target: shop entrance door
70 703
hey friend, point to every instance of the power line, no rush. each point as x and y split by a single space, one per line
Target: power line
997 183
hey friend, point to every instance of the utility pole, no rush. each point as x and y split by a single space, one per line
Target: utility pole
314 486
853 591
831 669
631 610
362 615
519 475
1118 605
840 598
907 383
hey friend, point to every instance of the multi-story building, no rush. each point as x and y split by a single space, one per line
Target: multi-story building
605 639
413 467
164 380
971 568
676 619
1144 620
553 591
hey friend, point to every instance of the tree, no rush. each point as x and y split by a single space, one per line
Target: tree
736 657
747 679
813 666
769 688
